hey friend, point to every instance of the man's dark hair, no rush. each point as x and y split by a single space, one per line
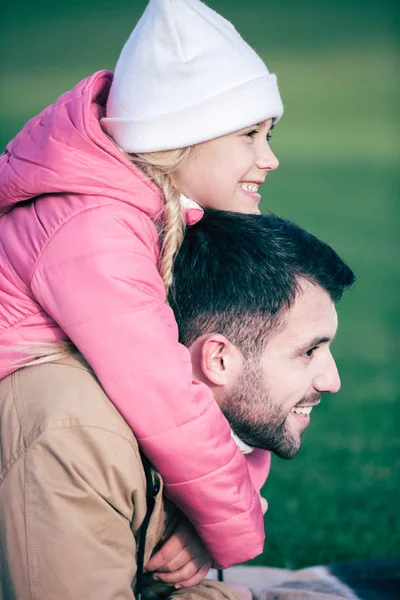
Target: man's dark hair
237 274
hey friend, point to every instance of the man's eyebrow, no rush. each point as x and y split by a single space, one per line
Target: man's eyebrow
317 341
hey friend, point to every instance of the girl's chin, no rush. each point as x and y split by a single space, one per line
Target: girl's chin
238 204
256 211
249 209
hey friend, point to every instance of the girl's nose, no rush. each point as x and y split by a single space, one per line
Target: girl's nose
267 160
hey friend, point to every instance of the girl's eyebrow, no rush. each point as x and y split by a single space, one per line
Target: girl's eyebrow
257 125
263 123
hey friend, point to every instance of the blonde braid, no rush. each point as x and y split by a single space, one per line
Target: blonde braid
159 166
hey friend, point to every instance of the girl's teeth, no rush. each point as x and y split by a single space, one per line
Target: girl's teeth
249 187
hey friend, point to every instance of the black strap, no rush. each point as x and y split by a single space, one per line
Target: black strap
152 490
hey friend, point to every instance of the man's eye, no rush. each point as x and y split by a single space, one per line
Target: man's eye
269 137
251 133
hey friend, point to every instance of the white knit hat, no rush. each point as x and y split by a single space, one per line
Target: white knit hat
186 76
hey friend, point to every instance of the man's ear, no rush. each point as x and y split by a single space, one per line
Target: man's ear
220 360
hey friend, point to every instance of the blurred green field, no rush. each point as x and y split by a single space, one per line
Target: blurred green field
338 143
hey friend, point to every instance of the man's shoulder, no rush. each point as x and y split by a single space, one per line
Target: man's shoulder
65 394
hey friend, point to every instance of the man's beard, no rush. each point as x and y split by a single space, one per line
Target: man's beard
256 419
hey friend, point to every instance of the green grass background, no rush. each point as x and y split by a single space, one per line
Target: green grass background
338 144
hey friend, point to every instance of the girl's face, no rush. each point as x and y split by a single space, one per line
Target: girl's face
225 173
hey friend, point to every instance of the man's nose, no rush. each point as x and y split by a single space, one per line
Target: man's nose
266 159
328 380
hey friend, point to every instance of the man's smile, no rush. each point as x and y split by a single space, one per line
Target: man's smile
302 411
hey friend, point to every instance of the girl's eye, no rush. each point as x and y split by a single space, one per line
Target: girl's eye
310 353
253 133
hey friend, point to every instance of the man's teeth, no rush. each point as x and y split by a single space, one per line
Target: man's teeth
249 187
302 410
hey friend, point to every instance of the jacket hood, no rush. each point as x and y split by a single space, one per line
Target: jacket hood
64 150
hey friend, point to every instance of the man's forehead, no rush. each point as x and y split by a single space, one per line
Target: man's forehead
311 316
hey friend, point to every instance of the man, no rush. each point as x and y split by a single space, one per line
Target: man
258 323
267 311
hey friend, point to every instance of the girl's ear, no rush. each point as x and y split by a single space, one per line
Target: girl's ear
220 361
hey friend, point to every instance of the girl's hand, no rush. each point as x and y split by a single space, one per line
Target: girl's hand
182 559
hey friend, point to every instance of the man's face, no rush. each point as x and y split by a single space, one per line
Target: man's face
270 403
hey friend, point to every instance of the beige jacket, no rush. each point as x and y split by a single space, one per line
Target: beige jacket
72 491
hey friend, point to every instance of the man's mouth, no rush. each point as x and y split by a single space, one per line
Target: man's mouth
304 411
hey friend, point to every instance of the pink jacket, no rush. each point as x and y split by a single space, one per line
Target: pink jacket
79 256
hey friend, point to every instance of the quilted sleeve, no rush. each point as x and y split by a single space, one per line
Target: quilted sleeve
97 278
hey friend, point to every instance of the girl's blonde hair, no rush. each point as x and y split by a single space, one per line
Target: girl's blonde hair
158 166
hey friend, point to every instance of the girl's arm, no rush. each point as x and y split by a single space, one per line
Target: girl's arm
97 278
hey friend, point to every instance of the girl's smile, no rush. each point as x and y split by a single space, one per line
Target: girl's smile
251 189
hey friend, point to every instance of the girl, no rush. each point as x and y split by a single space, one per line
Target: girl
96 191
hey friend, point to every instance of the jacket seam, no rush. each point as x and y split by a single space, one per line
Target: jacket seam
33 314
30 541
90 255
13 460
202 477
77 214
205 525
144 438
80 426
38 433
19 405
11 265
190 481
154 236
80 367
